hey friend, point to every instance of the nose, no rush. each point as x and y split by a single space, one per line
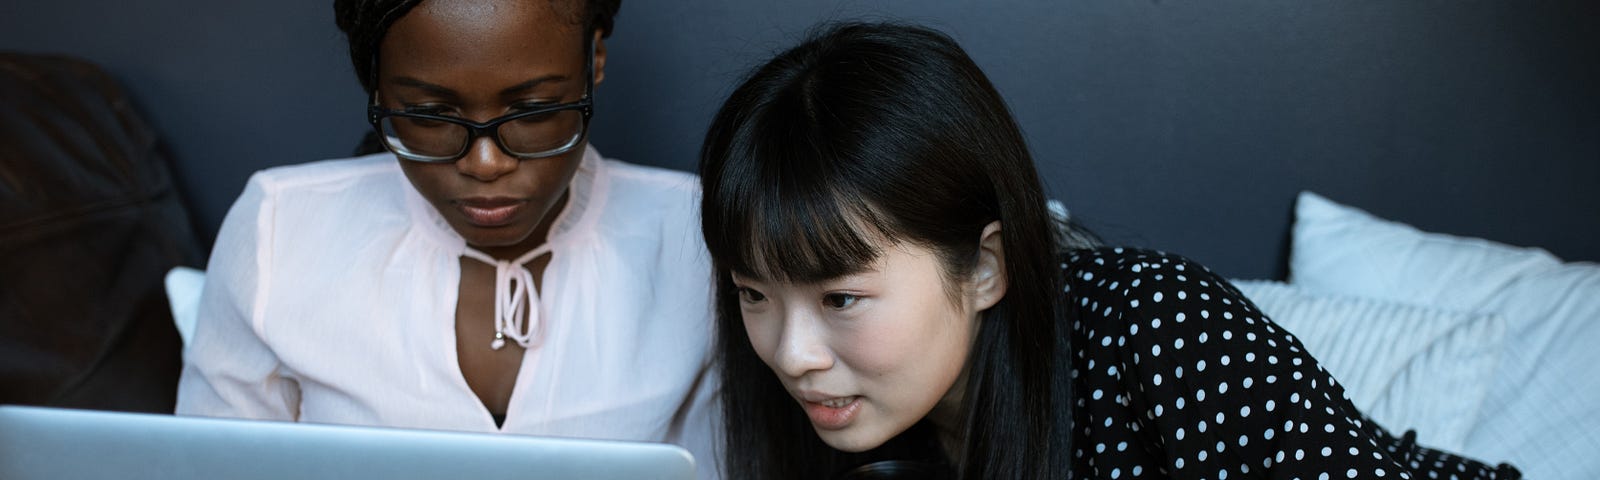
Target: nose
803 347
485 162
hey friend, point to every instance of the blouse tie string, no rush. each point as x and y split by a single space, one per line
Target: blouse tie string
515 299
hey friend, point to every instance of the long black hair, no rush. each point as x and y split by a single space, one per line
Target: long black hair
365 22
891 130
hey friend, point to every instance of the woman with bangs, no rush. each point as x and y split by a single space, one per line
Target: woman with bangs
894 297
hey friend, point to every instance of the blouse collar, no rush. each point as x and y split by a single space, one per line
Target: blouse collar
518 311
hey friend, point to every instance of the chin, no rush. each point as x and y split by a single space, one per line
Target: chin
505 236
853 439
493 241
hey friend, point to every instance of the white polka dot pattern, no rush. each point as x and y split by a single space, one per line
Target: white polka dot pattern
1189 380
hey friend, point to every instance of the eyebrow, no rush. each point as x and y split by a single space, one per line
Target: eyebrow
513 90
531 84
752 277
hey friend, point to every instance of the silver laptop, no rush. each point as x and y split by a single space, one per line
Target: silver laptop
49 443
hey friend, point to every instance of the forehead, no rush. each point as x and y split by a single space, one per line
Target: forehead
484 36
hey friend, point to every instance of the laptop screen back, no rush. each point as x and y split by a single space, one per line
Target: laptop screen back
40 443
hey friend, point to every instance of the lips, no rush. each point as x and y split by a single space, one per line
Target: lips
831 413
489 212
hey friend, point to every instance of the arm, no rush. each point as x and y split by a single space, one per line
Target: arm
229 370
698 426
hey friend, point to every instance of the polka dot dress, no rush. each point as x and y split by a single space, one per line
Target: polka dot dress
1179 376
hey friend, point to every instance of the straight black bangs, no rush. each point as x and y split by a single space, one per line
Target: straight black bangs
784 207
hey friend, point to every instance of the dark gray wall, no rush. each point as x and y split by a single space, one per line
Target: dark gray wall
1181 125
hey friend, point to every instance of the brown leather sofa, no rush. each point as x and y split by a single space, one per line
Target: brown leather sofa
90 221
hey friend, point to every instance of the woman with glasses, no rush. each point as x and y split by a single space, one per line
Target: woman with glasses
895 299
487 271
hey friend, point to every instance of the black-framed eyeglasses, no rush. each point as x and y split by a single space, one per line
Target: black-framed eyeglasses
537 133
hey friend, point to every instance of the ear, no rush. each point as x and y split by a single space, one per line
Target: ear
989 279
599 58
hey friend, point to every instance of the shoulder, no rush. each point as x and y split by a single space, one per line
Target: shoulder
294 218
323 201
647 217
1123 286
360 187
652 198
326 175
1122 272
649 174
633 182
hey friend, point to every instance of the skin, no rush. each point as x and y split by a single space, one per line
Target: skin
481 59
889 342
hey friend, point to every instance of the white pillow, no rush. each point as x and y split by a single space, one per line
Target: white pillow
183 296
1543 413
1340 249
1407 367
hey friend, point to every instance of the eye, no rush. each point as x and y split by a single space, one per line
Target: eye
536 118
748 295
440 110
532 105
839 301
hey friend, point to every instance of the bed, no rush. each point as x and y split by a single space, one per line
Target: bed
1481 347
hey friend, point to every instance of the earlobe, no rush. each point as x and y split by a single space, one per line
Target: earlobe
989 279
599 58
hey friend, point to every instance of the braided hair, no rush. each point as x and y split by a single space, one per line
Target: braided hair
365 22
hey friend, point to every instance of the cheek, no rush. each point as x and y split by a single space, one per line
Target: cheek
879 349
763 334
554 172
556 169
917 340
427 179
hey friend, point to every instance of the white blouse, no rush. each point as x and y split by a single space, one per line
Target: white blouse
331 297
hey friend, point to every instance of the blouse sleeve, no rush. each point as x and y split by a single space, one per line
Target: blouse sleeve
1221 391
229 370
698 425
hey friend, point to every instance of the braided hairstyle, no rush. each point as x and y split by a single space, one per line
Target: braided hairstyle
365 22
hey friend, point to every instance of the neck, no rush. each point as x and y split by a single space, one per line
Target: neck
949 416
949 419
951 438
